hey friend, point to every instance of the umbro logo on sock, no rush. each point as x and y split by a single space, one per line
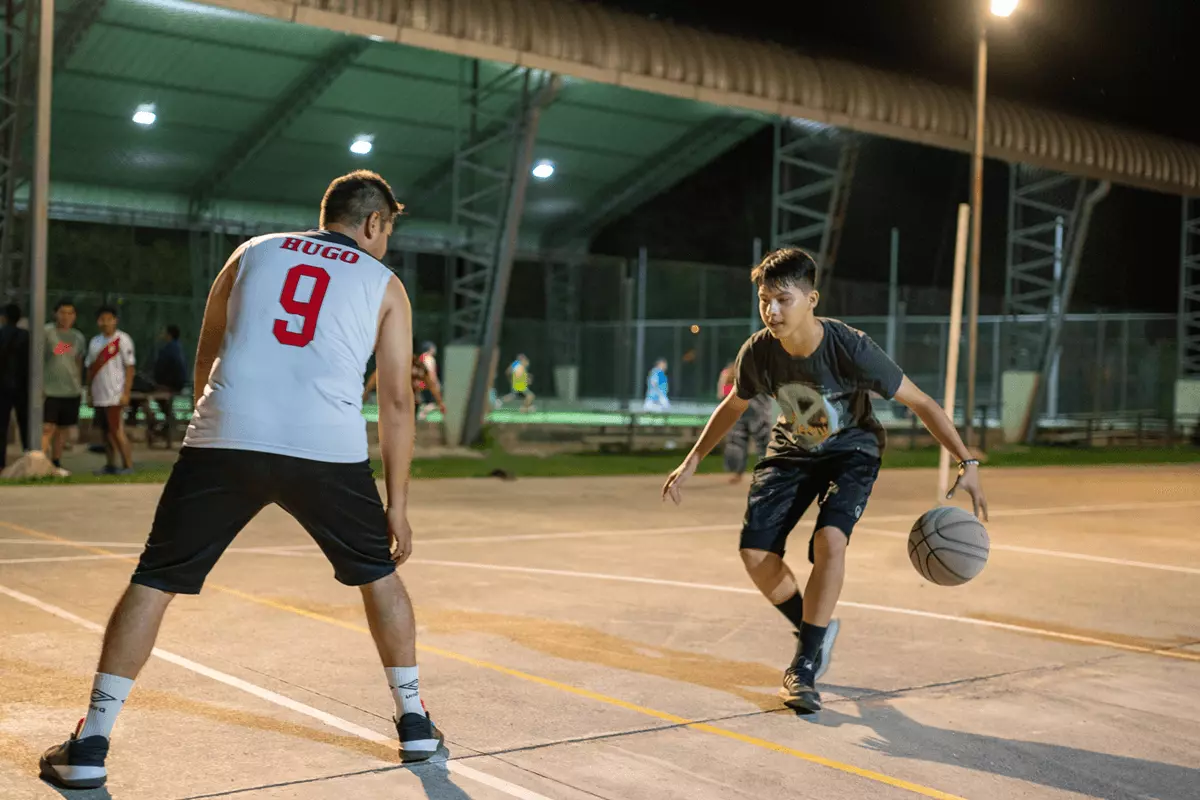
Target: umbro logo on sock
102 697
411 686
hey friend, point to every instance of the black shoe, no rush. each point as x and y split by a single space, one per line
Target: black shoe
76 763
825 654
798 692
419 737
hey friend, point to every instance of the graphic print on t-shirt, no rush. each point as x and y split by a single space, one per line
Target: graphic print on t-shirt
809 414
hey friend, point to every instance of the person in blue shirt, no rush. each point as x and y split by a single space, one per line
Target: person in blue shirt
656 388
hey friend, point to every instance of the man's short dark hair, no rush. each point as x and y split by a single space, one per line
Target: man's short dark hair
352 198
102 310
427 346
173 331
787 266
12 313
65 301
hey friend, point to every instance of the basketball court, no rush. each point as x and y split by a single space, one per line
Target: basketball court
579 639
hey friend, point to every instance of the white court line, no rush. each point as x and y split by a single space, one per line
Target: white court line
1037 512
45 559
266 551
510 789
912 612
523 537
1036 551
41 543
733 526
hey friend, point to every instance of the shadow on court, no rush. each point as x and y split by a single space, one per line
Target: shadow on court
1054 766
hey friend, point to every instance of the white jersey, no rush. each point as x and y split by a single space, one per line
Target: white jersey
302 321
109 384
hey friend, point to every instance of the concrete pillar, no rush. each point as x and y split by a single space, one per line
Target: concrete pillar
1016 399
457 368
566 383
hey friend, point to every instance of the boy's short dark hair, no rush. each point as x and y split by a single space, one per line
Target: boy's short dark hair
102 310
64 301
787 266
173 331
12 313
353 197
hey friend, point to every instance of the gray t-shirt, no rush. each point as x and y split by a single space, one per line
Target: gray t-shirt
64 352
825 397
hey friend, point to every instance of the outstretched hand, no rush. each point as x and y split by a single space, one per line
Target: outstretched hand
968 480
677 478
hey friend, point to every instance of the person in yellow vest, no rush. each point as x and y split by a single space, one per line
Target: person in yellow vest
519 380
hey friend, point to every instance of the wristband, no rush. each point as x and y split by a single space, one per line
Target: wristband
962 465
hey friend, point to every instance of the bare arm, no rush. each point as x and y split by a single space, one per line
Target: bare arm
370 386
397 422
719 424
212 330
943 429
129 370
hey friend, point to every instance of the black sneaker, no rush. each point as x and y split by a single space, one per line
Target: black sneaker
419 737
825 654
798 692
76 763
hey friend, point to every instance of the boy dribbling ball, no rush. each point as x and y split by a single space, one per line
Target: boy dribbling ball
826 446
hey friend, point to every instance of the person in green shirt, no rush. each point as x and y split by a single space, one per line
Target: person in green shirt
64 352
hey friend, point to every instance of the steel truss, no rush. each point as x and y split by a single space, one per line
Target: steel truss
493 119
1189 291
18 63
1037 200
812 174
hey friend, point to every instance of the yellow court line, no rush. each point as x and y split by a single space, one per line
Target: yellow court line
765 744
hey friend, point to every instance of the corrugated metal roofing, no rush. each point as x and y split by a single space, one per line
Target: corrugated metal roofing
213 74
603 45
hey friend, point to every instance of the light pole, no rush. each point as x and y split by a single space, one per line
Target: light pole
999 8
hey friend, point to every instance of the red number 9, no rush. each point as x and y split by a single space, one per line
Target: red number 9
309 310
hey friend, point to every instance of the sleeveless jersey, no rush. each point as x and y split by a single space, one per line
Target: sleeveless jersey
302 321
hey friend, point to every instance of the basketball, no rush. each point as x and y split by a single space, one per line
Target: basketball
948 546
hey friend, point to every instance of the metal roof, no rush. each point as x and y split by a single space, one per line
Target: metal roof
218 76
615 48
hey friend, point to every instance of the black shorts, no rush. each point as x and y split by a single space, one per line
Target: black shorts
61 411
106 418
783 489
212 494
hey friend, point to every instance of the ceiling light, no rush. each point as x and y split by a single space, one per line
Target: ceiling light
543 169
362 145
145 114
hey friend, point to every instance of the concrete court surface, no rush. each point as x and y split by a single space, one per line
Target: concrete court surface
571 629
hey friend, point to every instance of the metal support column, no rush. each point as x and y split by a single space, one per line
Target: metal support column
1063 290
812 173
1037 200
39 212
17 64
562 311
491 174
1189 292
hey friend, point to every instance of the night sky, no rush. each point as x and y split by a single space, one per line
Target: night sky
1124 61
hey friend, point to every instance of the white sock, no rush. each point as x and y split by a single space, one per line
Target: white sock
108 697
403 682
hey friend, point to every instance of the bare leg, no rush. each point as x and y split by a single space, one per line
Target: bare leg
772 577
120 444
825 582
390 616
48 436
132 630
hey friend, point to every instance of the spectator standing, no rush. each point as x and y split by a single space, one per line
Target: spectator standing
64 352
